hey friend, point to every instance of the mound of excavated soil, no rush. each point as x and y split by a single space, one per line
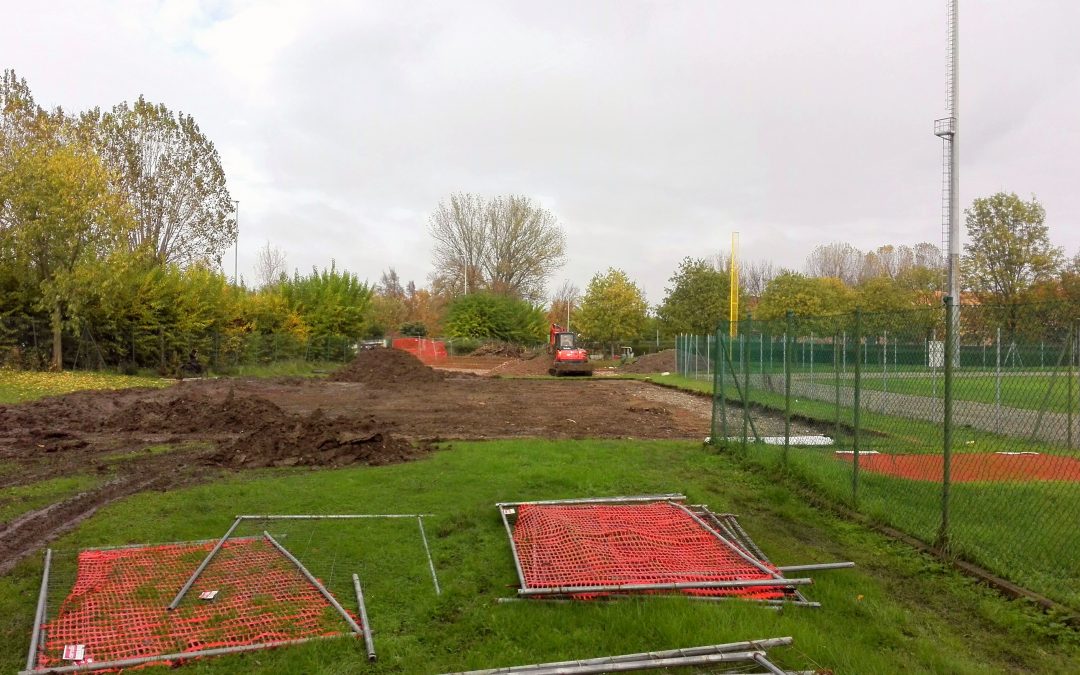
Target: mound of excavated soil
659 362
533 364
381 367
315 440
193 413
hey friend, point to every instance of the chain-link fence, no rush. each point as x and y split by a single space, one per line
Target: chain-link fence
967 443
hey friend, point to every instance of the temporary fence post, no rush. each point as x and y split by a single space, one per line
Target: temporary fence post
369 644
788 327
427 552
202 566
746 380
946 450
811 394
856 422
39 615
708 355
316 583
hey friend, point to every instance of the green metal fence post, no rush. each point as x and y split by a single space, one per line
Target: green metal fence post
946 449
743 344
836 382
1069 397
720 337
716 387
789 319
856 422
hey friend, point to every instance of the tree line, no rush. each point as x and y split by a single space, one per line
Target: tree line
113 223
112 227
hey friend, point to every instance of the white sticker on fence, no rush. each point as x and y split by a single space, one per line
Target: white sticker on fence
208 595
779 440
74 652
1022 452
861 452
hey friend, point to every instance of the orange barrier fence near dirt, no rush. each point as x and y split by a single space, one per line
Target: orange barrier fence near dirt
425 349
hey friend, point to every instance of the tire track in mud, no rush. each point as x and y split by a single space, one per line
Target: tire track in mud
29 532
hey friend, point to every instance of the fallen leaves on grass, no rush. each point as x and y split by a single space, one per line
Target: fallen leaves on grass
17 386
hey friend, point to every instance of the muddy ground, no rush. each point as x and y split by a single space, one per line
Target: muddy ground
380 409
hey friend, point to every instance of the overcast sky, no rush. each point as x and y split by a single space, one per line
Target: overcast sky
652 130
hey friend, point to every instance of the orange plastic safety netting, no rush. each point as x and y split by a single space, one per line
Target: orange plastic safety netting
117 606
578 545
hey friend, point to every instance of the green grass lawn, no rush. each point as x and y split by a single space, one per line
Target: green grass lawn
19 386
1033 392
898 611
20 499
295 368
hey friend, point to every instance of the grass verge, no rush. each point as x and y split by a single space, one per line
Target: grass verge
898 611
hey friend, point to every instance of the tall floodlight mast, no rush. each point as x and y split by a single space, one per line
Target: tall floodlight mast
948 129
733 287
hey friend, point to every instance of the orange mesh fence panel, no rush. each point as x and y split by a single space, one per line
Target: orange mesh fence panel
117 606
425 349
607 545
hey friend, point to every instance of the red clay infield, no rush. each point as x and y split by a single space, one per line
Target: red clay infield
973 467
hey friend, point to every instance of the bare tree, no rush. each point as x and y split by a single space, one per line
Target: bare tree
929 256
564 301
459 228
838 259
269 265
508 245
390 285
755 276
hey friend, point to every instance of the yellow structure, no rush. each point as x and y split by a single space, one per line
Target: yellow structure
733 314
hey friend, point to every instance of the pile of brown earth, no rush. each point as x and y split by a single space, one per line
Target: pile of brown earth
195 413
659 362
531 364
380 367
316 440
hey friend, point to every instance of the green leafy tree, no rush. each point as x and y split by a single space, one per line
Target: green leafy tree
697 300
331 302
806 296
56 213
414 329
889 306
613 309
484 315
171 174
1008 252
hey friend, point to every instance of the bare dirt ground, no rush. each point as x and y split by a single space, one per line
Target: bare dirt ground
380 409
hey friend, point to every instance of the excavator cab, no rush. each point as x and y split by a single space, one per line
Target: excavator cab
565 341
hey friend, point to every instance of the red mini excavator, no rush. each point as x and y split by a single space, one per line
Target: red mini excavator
567 357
